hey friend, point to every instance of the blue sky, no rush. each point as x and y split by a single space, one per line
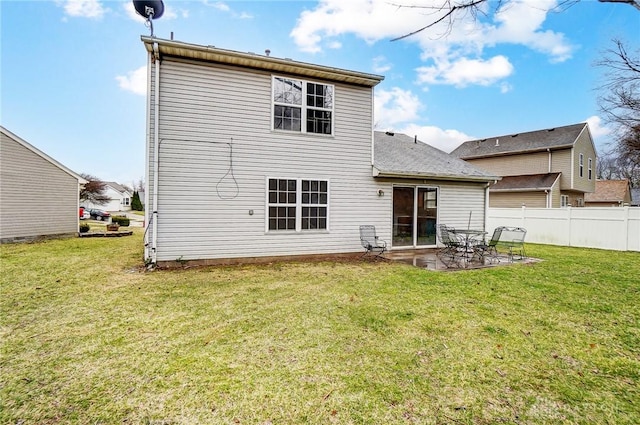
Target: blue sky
73 72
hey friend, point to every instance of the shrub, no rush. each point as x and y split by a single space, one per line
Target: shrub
121 220
84 228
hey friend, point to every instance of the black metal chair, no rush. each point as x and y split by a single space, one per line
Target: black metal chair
370 241
489 249
452 250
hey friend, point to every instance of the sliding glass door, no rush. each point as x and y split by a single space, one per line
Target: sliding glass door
415 212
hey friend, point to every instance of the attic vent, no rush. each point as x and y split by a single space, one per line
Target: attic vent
497 142
514 135
550 129
389 133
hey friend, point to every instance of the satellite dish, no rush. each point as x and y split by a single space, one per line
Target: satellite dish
149 9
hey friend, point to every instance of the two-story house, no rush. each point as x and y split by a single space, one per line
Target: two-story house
251 157
547 168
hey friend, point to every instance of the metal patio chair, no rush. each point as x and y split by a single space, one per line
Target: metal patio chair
370 241
489 249
453 249
512 238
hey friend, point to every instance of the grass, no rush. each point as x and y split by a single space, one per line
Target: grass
87 337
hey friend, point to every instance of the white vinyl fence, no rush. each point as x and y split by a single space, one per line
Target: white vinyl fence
615 228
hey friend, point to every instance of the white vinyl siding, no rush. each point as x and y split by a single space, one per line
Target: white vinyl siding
37 198
217 149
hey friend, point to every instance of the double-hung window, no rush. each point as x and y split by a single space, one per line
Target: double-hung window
581 165
302 106
297 204
590 168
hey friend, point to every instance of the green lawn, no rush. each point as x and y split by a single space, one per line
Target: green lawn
88 337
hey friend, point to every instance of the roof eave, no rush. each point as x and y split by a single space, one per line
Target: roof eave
442 177
520 152
252 60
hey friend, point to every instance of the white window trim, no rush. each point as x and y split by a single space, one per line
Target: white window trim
299 206
590 169
581 165
564 201
303 107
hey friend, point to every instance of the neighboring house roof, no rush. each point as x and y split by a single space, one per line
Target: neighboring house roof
609 191
118 188
43 155
180 49
526 183
399 155
531 141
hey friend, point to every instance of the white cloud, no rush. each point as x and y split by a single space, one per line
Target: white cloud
395 106
380 65
224 7
445 140
83 8
464 72
134 81
457 50
600 133
220 6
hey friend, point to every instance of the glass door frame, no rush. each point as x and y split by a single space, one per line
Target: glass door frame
414 225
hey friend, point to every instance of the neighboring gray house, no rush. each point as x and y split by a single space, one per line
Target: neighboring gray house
33 183
548 168
256 157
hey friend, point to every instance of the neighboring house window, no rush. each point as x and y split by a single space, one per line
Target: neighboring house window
297 204
564 201
580 202
126 201
590 168
581 165
302 106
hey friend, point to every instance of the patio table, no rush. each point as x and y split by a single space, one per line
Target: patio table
469 238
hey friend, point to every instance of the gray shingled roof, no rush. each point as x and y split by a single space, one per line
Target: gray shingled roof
530 182
532 141
398 155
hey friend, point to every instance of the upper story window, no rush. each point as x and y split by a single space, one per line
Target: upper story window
581 165
590 168
302 106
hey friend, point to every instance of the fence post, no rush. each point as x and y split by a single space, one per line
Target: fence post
625 220
569 223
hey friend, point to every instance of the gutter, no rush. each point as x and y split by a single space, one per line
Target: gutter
391 174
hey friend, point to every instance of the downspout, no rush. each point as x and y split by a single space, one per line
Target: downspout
548 196
486 202
549 150
147 168
156 153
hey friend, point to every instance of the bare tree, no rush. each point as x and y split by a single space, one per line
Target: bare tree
450 10
94 191
619 103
